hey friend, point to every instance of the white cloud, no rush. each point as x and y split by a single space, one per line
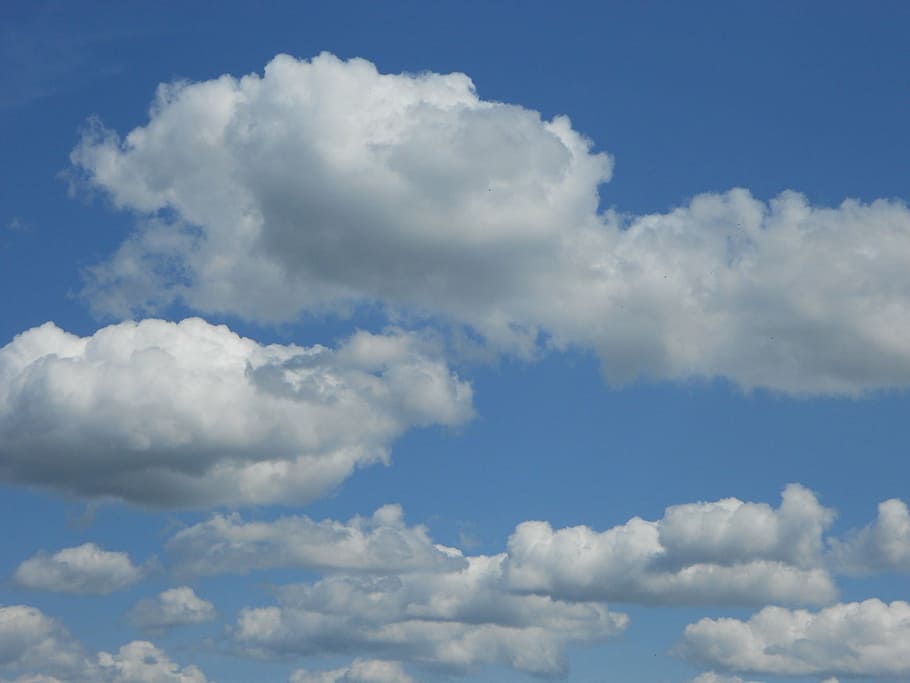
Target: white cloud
857 639
30 640
142 662
727 552
457 620
191 414
85 569
381 543
711 677
883 546
173 607
323 185
360 671
39 649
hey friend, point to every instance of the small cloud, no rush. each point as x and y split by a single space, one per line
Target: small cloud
174 607
83 570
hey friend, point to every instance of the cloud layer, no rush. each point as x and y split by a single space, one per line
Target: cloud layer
323 185
191 414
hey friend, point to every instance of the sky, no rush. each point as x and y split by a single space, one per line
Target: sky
438 342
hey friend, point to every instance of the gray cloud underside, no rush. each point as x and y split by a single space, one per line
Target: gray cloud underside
323 185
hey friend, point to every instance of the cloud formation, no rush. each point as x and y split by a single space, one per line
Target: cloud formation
36 648
456 620
173 607
323 185
857 639
725 552
360 671
191 414
85 569
883 546
380 543
520 608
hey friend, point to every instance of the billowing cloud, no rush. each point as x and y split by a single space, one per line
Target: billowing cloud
726 552
323 185
459 620
191 414
857 639
36 648
173 607
883 546
85 569
381 543
360 671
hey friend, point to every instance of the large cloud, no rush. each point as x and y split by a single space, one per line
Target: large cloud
857 639
457 620
726 552
39 649
192 414
381 543
323 184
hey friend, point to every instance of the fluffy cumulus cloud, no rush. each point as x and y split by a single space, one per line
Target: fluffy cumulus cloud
360 671
173 607
856 640
323 185
725 552
883 546
457 620
35 648
85 569
191 414
380 543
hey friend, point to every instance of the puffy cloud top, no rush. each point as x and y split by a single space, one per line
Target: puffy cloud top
85 569
323 184
857 639
191 414
722 552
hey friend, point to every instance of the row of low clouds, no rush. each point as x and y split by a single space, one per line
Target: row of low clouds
389 592
860 639
723 552
191 414
323 185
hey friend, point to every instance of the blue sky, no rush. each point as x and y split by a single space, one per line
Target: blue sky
518 342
